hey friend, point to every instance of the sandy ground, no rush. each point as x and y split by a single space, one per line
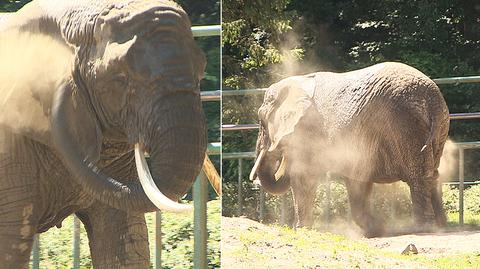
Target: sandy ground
273 253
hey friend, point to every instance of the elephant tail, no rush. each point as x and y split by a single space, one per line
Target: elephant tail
431 135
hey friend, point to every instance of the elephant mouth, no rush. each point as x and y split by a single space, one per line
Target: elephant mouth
280 168
271 172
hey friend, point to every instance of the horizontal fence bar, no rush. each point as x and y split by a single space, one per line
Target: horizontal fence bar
240 127
214 148
457 80
238 155
206 30
209 96
468 145
243 92
465 116
458 183
439 81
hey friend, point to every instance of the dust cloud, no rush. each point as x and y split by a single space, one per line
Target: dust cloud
31 68
292 59
448 162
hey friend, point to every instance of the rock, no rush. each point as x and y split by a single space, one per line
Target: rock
410 249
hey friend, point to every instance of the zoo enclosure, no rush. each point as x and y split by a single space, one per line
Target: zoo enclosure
240 156
199 190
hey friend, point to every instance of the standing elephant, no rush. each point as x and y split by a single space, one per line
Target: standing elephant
132 86
380 124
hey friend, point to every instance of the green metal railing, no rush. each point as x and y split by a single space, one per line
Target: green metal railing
200 196
240 156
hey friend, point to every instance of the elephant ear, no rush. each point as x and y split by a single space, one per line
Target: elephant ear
293 99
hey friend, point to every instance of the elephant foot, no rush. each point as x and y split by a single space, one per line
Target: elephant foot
374 230
299 225
441 221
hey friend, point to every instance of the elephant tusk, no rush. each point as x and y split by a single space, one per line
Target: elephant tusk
161 201
281 169
253 173
212 175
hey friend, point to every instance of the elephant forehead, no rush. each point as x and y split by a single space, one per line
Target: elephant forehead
125 13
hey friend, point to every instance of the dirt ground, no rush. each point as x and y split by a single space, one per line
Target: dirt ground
249 244
431 243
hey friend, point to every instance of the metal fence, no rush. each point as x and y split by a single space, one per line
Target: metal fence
200 196
240 156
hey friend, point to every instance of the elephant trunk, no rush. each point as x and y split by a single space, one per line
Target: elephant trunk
178 148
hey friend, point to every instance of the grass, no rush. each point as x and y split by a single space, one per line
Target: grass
469 218
310 249
177 241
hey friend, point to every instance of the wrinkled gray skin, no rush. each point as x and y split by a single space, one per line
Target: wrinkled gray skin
149 93
380 124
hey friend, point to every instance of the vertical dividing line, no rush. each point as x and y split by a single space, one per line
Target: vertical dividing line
262 205
200 191
461 176
36 252
158 240
76 242
239 187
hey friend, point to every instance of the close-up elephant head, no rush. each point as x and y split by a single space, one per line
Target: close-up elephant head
285 104
135 80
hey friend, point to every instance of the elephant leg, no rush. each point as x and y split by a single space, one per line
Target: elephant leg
18 223
304 191
437 204
358 196
117 239
423 212
16 234
19 208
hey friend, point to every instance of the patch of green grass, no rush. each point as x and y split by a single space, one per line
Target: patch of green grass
56 245
469 218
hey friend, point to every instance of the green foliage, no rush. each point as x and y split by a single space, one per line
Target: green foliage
177 241
12 5
450 199
472 199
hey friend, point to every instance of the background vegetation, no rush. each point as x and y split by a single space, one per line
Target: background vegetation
265 41
178 230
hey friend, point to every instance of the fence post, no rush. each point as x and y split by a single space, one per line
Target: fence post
158 240
200 191
327 198
76 242
461 176
262 205
36 252
283 209
393 209
239 194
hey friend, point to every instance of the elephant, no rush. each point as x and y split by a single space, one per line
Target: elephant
130 88
380 124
